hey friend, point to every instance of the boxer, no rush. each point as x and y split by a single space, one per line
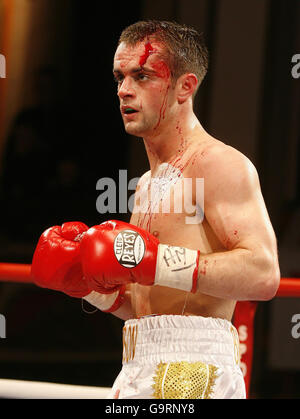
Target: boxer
174 277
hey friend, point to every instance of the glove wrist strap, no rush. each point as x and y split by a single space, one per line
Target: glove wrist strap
177 267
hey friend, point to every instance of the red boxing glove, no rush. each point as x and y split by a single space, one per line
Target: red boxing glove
56 261
116 253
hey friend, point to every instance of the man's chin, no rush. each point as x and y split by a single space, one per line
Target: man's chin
133 130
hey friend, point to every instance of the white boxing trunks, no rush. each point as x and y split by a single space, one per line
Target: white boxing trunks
179 357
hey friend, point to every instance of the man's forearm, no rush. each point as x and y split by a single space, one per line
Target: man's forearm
238 274
125 311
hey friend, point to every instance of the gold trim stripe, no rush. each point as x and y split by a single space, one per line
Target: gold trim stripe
236 345
129 342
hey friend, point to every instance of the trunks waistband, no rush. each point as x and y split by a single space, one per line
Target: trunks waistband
174 338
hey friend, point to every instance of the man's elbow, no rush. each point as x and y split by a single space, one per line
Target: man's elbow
270 280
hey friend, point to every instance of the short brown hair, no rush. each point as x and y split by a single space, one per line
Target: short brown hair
185 47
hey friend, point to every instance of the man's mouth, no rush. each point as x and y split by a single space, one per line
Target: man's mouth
128 110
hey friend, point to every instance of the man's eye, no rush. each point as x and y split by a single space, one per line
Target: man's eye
142 76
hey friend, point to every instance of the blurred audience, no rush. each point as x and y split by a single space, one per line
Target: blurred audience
40 167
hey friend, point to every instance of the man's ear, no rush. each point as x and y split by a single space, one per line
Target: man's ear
186 85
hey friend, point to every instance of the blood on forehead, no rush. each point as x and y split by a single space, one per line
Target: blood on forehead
161 68
148 50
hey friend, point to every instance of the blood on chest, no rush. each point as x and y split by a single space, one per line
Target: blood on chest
167 201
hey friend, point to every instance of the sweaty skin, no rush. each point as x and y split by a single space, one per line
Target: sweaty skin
235 237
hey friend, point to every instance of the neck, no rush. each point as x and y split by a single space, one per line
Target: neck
166 145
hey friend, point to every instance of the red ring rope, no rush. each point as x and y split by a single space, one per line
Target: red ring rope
16 272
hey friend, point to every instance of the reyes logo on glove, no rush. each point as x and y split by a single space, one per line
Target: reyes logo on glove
129 248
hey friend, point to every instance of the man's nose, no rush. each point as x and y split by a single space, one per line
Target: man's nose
126 89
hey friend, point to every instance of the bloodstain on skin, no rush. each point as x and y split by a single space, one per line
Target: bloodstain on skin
162 111
178 128
177 162
162 71
228 243
148 50
203 270
196 154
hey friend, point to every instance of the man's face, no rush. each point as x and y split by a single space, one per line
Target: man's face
144 87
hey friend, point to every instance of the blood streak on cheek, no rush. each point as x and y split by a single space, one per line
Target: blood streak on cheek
163 108
162 71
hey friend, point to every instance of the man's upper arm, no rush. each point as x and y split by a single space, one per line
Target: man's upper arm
234 205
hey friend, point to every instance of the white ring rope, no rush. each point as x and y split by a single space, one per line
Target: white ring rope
18 389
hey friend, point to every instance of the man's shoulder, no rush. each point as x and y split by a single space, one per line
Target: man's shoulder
223 166
216 155
144 178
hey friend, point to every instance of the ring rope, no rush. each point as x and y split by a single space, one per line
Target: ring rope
17 272
22 389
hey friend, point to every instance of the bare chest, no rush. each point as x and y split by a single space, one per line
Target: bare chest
171 207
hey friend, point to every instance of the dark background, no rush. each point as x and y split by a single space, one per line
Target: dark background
61 131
